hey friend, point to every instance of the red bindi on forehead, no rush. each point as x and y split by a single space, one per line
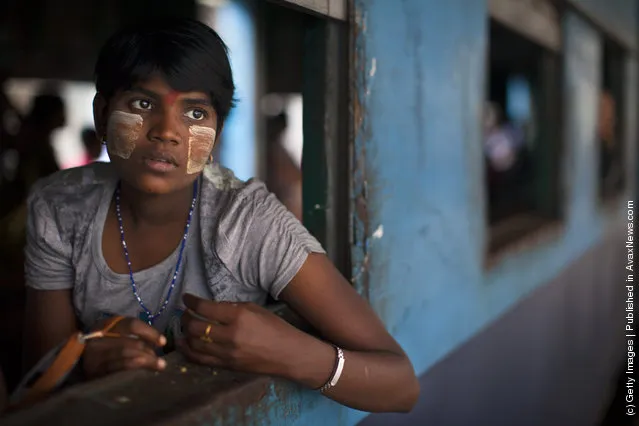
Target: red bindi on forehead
170 97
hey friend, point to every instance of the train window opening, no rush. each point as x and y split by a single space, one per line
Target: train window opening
520 136
610 134
290 127
299 105
281 103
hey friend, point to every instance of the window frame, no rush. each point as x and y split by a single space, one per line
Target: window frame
606 196
326 152
539 23
326 113
335 9
601 22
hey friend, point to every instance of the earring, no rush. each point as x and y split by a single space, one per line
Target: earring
104 141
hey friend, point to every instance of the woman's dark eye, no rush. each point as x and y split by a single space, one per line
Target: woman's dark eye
196 114
141 104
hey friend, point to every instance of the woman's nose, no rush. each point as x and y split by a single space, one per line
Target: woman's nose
166 128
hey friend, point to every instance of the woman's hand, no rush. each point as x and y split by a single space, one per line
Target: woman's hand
111 354
243 336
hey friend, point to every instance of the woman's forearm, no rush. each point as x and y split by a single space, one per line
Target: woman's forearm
370 381
49 320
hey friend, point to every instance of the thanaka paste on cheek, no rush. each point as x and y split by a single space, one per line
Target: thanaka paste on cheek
201 143
123 130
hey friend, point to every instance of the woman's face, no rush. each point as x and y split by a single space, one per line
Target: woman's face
158 139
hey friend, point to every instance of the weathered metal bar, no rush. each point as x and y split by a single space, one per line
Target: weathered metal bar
325 154
535 19
615 17
336 9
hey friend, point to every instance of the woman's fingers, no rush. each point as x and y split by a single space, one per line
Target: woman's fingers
144 331
108 355
134 362
194 327
129 348
211 349
200 357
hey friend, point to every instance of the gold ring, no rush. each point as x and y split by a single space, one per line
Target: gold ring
206 337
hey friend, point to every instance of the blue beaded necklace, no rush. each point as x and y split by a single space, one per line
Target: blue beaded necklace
147 315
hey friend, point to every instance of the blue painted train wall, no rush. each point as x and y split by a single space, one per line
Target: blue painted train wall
423 107
420 73
419 254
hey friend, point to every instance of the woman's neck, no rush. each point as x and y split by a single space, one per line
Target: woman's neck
153 209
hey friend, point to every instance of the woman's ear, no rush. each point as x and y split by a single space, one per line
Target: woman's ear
100 107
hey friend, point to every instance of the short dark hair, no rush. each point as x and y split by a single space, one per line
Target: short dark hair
188 54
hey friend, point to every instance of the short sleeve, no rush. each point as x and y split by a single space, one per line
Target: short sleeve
266 245
47 258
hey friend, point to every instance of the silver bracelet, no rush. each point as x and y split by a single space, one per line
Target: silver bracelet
339 366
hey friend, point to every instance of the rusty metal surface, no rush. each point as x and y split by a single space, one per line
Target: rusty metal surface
361 133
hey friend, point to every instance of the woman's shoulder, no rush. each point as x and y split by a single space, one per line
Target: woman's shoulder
73 188
223 190
229 205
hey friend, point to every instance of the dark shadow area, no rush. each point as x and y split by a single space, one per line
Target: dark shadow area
615 415
611 128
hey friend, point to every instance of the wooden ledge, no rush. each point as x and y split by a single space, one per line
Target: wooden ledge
184 394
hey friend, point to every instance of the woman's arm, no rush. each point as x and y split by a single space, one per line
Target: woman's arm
377 374
49 320
49 314
266 248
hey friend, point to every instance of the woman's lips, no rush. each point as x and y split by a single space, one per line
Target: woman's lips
159 165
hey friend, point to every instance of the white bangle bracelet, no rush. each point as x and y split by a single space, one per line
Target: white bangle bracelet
339 366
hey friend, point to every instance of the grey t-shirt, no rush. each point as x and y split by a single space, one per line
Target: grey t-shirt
243 244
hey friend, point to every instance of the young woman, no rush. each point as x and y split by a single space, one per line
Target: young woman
183 249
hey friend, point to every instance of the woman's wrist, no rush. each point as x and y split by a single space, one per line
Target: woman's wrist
309 361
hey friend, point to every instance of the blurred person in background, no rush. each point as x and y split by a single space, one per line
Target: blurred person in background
505 152
36 155
611 171
284 177
36 160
